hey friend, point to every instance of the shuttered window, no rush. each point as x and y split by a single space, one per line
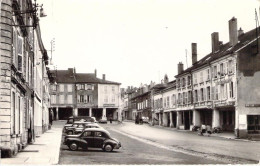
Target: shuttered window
20 53
14 47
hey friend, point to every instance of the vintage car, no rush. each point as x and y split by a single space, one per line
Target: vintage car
92 138
72 119
68 128
80 127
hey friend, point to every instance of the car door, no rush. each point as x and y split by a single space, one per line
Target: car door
88 136
99 139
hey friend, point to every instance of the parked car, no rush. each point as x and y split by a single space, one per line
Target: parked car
69 128
72 119
92 138
95 121
102 121
82 127
145 119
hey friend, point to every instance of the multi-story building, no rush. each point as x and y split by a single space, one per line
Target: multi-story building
142 101
220 90
18 90
83 94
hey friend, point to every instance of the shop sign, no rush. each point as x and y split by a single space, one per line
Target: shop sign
108 105
221 104
252 105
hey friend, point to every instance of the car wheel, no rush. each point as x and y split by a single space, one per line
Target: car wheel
69 132
73 146
108 148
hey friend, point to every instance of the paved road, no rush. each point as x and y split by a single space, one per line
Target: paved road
227 150
134 151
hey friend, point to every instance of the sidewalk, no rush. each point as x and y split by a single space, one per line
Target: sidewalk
226 135
45 150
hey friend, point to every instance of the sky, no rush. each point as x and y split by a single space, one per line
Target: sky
135 42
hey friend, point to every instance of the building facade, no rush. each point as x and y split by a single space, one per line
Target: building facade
20 33
220 90
83 94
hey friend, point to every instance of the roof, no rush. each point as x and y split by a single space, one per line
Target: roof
63 76
91 78
68 76
224 49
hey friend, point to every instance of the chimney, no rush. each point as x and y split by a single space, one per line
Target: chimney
194 53
96 72
74 70
104 77
233 39
180 67
215 42
240 31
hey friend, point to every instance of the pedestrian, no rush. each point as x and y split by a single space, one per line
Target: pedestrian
110 119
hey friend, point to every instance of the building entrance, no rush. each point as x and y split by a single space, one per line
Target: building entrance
65 113
83 111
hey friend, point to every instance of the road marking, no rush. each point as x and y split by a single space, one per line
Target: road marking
215 157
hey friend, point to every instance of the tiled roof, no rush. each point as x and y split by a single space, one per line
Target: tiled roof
63 76
91 78
67 76
224 49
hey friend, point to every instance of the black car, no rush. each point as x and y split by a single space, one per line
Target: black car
80 127
72 119
92 138
70 128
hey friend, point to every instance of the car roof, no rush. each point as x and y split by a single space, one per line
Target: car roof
80 122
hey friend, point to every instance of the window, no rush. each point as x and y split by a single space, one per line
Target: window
81 98
61 88
195 78
230 66
53 99
216 93
189 80
113 89
113 98
212 93
87 133
20 53
201 76
69 99
183 82
208 93
69 88
82 86
253 124
231 90
189 96
215 72
105 89
14 46
13 112
54 87
195 96
208 74
98 134
173 100
89 87
61 99
221 69
168 101
181 100
185 97
106 99
224 68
